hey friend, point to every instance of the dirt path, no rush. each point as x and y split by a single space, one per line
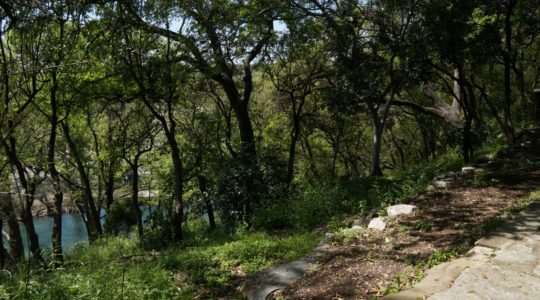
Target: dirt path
453 218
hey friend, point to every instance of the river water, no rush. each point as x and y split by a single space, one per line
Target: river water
73 230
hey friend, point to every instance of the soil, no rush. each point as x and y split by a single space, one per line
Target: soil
453 217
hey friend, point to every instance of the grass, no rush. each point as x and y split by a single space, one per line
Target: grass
117 268
206 264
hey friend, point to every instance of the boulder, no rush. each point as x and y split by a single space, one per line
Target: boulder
377 224
400 209
439 184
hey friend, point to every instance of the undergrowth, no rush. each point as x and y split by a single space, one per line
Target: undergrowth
117 268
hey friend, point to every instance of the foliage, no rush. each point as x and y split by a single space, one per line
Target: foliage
272 114
116 267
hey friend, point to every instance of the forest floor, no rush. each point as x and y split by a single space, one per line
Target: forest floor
447 224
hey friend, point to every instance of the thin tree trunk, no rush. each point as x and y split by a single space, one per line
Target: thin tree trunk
536 96
507 57
209 207
204 190
178 187
33 238
15 240
14 237
109 187
295 134
27 199
312 165
2 249
57 252
467 141
376 150
93 217
135 198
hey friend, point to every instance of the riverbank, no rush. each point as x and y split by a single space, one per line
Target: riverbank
44 208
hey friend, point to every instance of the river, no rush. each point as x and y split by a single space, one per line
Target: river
73 230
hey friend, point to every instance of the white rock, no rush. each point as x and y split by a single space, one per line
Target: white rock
357 228
467 169
328 236
377 224
439 184
400 209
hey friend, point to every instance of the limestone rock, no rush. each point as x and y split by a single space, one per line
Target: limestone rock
328 237
400 209
377 224
467 169
439 184
357 228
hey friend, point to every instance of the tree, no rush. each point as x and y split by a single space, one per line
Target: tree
366 40
87 206
138 131
297 69
219 26
223 40
147 70
20 87
7 213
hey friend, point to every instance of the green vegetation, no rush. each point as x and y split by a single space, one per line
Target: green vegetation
206 262
245 125
117 268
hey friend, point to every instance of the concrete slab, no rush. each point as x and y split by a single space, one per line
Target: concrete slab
442 277
492 282
526 223
503 265
280 277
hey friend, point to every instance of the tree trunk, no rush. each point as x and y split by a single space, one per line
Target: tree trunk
536 117
109 187
295 134
312 165
204 190
247 137
32 236
467 141
27 198
135 198
507 57
93 217
2 249
376 150
209 207
14 238
178 187
57 252
112 165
